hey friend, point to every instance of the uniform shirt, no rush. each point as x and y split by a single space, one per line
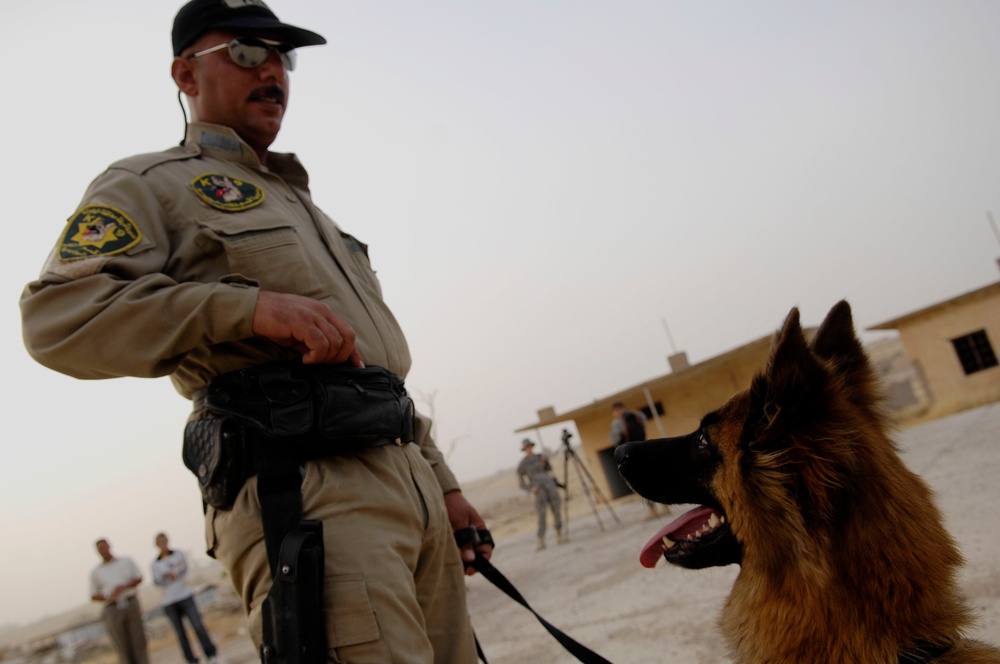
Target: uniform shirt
108 576
533 470
158 271
176 589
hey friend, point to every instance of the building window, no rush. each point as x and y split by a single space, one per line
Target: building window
975 352
649 414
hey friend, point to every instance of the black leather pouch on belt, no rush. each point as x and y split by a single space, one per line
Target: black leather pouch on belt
216 452
349 406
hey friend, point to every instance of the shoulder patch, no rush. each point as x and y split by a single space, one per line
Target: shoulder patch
98 230
227 193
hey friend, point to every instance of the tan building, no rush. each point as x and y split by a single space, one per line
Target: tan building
952 346
673 404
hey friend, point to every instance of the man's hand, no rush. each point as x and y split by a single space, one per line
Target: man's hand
462 515
308 326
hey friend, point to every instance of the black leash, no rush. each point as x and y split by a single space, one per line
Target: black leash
472 536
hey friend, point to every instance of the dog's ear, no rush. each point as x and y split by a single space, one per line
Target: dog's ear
792 369
793 380
836 341
798 383
838 344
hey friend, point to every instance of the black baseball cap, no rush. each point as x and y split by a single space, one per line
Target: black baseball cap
199 16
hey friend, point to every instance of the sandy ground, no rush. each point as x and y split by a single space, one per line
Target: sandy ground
594 589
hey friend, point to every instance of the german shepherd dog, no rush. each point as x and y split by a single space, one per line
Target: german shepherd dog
843 556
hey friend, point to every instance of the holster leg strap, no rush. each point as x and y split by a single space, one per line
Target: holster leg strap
294 631
293 625
279 489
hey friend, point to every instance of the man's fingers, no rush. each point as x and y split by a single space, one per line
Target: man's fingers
355 359
323 341
317 347
307 325
346 335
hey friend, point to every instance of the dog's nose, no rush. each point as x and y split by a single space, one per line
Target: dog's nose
621 453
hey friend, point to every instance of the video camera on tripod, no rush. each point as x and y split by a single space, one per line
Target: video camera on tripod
566 435
586 482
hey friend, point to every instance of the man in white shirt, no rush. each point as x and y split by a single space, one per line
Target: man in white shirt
113 582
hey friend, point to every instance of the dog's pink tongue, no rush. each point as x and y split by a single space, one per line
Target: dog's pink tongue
675 531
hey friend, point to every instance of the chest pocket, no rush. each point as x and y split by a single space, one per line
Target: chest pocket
265 249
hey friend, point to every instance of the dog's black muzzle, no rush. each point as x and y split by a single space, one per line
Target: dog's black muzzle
669 470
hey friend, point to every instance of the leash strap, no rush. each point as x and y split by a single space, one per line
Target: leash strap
484 567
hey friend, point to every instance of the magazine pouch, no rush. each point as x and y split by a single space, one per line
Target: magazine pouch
215 451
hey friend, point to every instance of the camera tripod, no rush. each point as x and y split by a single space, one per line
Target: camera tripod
590 488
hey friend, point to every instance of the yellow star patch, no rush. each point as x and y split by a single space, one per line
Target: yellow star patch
98 230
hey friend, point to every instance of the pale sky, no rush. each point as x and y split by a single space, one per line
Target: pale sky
542 184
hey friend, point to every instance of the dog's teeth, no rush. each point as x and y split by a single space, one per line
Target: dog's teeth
713 520
667 543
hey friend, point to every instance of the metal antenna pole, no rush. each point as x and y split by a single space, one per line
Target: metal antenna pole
670 337
993 223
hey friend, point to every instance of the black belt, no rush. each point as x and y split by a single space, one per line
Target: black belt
282 414
336 403
261 451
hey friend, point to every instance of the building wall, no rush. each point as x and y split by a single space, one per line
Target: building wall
927 339
904 387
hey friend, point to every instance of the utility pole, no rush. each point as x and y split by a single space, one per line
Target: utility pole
996 231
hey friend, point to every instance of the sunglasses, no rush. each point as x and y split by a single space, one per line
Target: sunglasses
252 52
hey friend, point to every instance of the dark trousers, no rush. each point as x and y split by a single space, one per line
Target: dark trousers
187 608
124 627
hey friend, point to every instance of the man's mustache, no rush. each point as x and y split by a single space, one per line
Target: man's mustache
273 93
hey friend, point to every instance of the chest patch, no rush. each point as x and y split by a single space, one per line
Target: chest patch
227 193
98 230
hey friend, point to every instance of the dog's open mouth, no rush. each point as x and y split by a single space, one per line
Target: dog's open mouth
683 540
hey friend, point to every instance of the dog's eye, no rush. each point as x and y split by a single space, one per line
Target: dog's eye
702 440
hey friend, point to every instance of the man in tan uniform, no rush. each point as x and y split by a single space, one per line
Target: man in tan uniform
210 258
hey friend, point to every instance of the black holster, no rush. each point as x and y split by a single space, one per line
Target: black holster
294 632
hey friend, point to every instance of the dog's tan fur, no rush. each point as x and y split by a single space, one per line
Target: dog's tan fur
843 554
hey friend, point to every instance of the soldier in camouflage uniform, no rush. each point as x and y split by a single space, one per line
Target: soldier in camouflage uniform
533 475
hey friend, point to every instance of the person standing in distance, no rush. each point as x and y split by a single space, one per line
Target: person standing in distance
170 570
533 476
629 426
113 584
210 259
